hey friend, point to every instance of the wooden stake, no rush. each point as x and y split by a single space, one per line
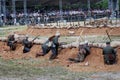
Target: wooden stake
80 36
108 35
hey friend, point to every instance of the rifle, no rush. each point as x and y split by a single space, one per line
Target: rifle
35 38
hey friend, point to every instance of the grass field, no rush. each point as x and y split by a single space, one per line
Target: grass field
8 29
25 70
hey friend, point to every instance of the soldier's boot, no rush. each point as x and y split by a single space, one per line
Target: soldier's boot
75 60
71 59
39 54
13 47
53 56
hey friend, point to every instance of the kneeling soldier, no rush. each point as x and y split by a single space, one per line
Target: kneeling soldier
27 45
11 42
109 54
51 44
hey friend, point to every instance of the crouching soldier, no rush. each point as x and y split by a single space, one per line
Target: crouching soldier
109 54
84 50
51 44
27 45
45 48
11 42
55 45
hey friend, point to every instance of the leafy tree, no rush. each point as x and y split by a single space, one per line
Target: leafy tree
100 5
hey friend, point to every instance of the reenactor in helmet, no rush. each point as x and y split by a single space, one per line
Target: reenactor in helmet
51 44
11 42
27 45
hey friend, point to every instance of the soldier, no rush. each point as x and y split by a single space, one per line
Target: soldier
55 46
11 42
45 48
109 54
84 50
27 45
51 44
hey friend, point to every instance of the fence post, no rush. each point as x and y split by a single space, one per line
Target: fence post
0 14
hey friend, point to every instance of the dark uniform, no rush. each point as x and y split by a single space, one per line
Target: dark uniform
27 45
87 48
51 44
54 47
109 54
11 42
45 47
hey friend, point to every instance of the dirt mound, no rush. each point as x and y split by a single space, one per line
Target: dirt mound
87 31
95 59
17 54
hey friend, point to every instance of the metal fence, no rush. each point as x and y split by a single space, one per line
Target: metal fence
67 19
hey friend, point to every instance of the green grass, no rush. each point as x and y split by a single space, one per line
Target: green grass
28 71
11 68
7 29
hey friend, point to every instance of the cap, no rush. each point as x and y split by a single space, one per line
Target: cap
85 42
57 33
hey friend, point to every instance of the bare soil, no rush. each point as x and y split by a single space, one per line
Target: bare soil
65 32
95 59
